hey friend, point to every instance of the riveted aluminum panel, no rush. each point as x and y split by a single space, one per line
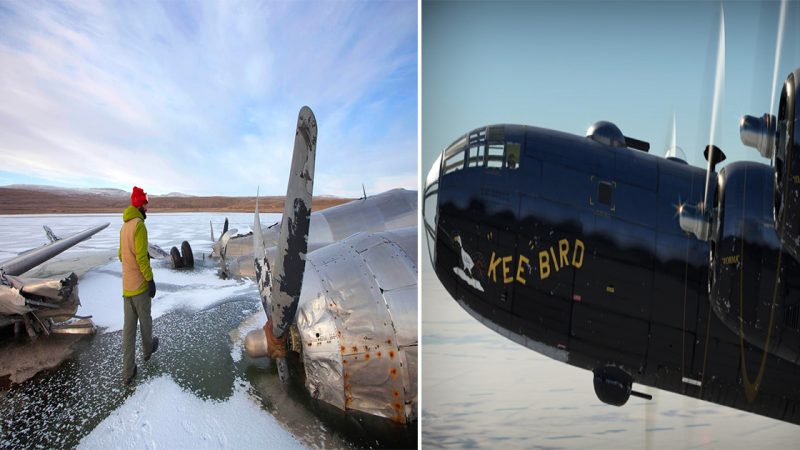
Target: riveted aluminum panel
389 273
359 343
402 305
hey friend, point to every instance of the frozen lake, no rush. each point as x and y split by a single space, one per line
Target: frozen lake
481 390
198 390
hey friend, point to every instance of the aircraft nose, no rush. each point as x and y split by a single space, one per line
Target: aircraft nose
430 204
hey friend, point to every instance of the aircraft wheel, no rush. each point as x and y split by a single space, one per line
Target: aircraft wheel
188 257
177 261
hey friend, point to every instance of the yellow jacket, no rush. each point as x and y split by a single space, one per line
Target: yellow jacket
136 271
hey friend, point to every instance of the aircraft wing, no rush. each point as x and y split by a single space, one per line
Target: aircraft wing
32 258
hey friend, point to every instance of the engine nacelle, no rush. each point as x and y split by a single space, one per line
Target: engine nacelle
744 284
779 138
787 166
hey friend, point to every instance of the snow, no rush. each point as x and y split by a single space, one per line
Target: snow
112 192
161 414
101 297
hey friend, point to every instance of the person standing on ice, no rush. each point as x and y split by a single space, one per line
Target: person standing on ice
138 286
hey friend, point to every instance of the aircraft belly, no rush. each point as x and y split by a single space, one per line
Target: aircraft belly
609 336
533 344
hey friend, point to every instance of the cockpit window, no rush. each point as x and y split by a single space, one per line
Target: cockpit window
496 147
485 147
477 148
454 156
454 162
512 155
494 158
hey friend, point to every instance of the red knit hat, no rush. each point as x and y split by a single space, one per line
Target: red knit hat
138 197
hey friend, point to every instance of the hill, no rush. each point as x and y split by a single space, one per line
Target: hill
28 199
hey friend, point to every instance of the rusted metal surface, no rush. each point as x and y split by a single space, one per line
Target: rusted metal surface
357 321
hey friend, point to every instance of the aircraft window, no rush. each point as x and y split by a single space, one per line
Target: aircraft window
476 156
494 157
477 136
512 155
454 162
496 134
604 191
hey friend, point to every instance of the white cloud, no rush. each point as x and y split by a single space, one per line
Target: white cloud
202 97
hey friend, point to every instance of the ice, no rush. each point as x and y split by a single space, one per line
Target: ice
100 289
161 414
196 392
23 232
101 292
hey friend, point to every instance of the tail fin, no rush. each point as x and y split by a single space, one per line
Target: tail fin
290 261
280 287
50 235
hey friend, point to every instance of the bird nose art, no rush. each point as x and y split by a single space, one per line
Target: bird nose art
430 205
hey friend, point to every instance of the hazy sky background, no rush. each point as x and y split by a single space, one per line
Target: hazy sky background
566 65
202 97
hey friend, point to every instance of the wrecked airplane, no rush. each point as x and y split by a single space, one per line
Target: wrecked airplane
339 288
179 259
43 306
389 210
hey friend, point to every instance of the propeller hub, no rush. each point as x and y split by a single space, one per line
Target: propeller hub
694 220
759 133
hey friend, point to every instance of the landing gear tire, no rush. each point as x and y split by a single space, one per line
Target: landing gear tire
188 256
177 261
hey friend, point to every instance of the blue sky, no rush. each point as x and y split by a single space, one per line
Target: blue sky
202 97
566 65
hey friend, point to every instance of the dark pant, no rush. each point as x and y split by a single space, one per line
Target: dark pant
137 308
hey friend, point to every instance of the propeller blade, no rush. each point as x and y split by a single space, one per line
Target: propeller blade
263 271
778 46
719 81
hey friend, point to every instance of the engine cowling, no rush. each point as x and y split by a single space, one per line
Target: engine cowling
787 166
748 276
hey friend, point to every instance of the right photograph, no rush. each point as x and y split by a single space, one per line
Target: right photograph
611 224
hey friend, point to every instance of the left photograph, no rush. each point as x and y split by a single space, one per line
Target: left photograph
208 225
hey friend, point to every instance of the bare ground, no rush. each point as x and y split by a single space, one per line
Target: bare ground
32 201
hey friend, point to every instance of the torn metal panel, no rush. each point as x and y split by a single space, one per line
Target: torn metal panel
51 298
12 302
359 340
